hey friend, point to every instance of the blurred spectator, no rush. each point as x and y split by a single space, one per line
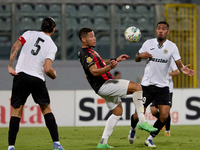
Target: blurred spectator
117 75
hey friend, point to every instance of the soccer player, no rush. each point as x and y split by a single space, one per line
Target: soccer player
98 74
155 84
173 71
36 57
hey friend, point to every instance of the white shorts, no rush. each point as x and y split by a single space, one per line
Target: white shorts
112 90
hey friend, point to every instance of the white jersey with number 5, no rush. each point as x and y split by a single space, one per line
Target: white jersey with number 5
157 67
37 46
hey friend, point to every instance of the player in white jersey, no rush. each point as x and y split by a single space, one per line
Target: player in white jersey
173 71
155 84
36 57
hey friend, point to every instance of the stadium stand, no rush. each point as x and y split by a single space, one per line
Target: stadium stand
97 16
100 11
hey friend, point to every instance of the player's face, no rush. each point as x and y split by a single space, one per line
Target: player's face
90 40
162 31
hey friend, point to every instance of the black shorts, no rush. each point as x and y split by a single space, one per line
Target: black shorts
24 85
170 101
159 94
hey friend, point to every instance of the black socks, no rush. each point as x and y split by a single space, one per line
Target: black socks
133 122
52 126
159 125
13 130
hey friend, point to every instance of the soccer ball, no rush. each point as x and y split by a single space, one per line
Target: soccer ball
132 34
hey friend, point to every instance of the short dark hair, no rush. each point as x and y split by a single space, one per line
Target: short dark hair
116 72
48 24
83 32
163 22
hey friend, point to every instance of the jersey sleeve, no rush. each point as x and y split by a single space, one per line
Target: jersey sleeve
23 38
51 53
89 61
173 65
176 56
144 47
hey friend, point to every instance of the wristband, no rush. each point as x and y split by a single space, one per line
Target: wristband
113 59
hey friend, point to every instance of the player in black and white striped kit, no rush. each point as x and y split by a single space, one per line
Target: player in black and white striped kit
36 57
155 84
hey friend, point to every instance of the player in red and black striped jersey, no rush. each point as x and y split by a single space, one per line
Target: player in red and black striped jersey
98 74
89 57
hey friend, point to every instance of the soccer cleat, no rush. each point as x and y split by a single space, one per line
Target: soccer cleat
163 128
57 147
149 143
104 146
167 134
12 148
131 136
147 127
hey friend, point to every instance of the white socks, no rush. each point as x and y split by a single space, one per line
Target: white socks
137 100
57 142
11 146
110 124
150 137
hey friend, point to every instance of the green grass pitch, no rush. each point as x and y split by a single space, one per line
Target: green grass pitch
86 138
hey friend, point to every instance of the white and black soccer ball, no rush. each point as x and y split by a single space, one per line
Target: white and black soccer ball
132 34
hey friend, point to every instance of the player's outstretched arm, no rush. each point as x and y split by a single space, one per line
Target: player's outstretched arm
187 71
49 71
140 56
13 53
118 59
122 57
185 68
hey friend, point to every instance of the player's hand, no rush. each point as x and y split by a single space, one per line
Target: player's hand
187 71
55 72
122 57
113 64
145 55
12 71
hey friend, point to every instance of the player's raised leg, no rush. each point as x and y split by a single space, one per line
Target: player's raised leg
138 100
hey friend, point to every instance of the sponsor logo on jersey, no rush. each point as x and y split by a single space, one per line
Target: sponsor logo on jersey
158 60
152 49
89 59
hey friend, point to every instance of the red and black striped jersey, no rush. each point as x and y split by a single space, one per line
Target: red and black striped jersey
89 57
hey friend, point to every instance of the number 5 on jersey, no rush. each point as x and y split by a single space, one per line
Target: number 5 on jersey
35 52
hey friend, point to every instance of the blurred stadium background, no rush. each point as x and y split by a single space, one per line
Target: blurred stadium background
109 19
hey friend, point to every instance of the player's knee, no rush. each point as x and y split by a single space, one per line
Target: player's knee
117 111
133 87
163 117
138 87
120 113
153 111
45 109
